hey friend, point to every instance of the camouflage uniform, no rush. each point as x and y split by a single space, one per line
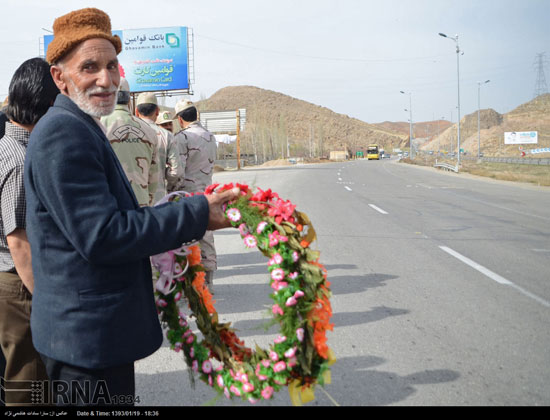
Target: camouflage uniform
135 145
198 152
169 160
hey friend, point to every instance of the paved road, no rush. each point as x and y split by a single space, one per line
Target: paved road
440 282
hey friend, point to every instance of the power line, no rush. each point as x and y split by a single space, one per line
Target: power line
540 85
351 59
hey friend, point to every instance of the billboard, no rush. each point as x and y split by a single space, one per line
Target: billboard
153 59
526 137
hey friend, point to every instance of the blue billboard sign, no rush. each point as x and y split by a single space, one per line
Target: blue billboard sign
151 60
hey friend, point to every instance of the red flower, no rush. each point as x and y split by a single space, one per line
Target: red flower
210 189
282 210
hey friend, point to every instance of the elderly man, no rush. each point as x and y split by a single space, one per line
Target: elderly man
93 308
169 161
136 146
198 152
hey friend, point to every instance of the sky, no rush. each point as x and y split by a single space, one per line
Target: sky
351 56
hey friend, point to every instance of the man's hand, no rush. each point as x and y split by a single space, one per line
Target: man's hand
216 218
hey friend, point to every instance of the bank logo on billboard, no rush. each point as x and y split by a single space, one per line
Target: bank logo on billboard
517 137
152 59
172 40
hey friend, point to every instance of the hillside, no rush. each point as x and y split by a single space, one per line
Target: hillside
311 130
426 129
531 116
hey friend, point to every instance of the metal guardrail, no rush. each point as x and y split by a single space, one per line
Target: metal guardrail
446 166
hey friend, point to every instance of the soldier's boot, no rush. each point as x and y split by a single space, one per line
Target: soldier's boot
210 281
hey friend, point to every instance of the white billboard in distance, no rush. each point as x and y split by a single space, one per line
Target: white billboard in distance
525 137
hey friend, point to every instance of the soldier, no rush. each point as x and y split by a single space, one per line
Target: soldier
166 121
168 155
135 145
198 153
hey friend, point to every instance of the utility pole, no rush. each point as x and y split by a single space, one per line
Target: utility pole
540 85
479 117
458 51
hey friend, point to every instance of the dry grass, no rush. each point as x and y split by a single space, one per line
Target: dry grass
533 174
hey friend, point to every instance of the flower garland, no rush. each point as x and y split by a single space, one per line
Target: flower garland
299 357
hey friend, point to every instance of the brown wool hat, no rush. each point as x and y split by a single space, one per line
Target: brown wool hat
78 26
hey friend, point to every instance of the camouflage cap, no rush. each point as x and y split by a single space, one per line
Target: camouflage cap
183 105
164 117
147 98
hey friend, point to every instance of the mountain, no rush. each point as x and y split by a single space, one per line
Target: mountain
426 129
311 130
531 116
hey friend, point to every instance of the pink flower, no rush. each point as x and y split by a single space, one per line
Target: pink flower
177 297
276 259
162 303
235 390
243 229
291 301
295 256
279 367
267 392
210 382
292 362
192 352
226 393
190 339
273 356
195 366
234 214
280 339
261 227
219 379
266 363
293 276
279 285
177 347
299 294
250 241
276 309
206 367
247 387
278 274
258 374
290 353
300 334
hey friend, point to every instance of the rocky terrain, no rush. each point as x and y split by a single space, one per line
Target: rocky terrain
311 130
531 116
279 126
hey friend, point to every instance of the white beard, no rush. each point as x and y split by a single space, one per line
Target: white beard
82 100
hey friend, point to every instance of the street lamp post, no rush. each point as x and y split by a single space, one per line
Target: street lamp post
410 123
455 39
479 117
439 137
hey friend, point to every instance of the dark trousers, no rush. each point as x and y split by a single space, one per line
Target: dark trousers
23 366
72 385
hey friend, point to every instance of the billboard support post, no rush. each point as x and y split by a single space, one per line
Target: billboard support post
238 140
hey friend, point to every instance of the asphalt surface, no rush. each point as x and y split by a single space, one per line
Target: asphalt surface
441 288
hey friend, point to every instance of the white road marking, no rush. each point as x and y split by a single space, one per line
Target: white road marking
494 276
378 209
348 188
